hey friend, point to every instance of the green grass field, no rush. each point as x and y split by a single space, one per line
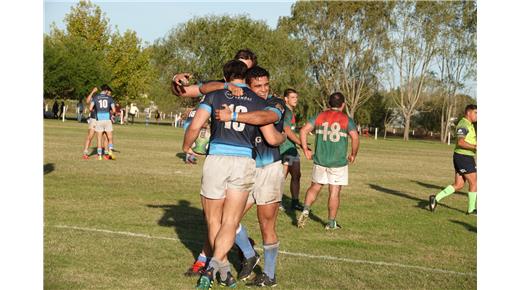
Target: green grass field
136 223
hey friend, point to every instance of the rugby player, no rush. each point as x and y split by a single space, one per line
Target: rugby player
290 156
92 125
268 184
332 127
229 169
103 105
463 161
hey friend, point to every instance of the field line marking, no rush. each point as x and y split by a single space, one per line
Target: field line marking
348 260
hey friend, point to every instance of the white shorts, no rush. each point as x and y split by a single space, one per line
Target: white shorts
227 172
91 123
333 176
103 126
269 182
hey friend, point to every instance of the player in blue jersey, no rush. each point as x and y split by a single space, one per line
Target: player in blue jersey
92 125
104 106
229 169
269 180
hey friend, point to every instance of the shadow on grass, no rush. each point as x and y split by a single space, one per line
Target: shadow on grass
293 214
48 168
421 203
190 226
469 227
93 151
433 186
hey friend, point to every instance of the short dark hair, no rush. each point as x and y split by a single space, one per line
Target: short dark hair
289 91
336 100
246 53
470 107
256 72
105 87
234 69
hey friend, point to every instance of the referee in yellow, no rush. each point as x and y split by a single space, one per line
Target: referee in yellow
463 161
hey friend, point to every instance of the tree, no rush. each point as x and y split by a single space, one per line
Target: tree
87 21
457 55
345 42
130 66
414 33
202 46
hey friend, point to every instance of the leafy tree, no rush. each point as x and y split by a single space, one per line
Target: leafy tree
87 21
345 42
414 32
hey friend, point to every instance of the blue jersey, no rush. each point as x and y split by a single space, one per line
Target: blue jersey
232 138
265 153
103 104
189 118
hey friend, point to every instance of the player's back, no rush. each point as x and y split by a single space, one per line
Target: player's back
103 104
267 154
232 138
332 129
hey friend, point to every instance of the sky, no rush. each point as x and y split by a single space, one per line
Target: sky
153 20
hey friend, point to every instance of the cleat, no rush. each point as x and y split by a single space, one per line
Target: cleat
296 206
433 203
85 157
263 281
111 155
229 282
196 269
100 157
474 212
247 267
336 226
302 219
206 280
106 157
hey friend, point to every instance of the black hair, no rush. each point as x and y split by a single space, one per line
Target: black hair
256 72
105 87
246 53
470 107
234 69
289 91
336 100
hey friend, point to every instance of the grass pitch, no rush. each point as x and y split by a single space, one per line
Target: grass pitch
136 223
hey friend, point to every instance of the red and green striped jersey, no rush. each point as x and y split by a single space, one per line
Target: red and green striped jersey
331 128
288 147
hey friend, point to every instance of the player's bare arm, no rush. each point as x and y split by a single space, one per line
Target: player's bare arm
304 131
89 97
257 118
465 145
201 117
292 136
354 137
272 136
182 88
215 86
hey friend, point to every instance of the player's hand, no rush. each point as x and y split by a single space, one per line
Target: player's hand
182 79
351 158
94 90
308 153
235 90
224 114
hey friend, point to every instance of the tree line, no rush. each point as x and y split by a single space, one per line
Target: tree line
396 62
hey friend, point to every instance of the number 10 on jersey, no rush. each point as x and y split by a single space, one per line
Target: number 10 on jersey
237 126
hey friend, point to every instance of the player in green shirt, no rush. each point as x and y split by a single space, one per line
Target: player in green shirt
290 156
332 128
463 161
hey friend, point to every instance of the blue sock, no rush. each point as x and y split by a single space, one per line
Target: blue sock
202 258
100 151
270 254
242 241
110 147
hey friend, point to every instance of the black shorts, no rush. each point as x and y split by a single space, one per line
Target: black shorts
464 164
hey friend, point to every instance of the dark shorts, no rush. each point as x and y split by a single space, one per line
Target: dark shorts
464 164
